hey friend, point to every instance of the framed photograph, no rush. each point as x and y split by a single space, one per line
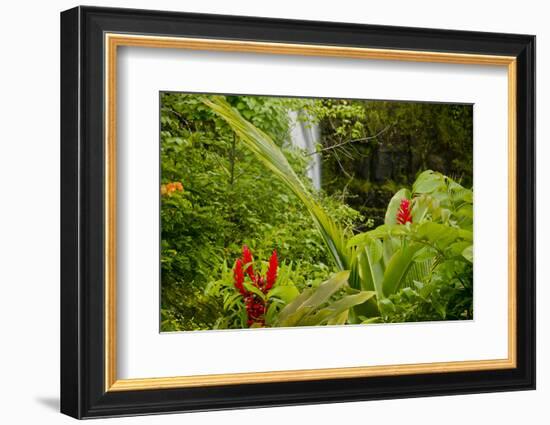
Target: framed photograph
261 212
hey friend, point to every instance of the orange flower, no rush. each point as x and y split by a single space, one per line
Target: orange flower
169 188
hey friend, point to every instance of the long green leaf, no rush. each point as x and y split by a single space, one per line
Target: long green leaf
274 159
374 254
334 310
308 301
397 268
290 309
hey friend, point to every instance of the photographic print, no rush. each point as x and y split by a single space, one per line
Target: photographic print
283 212
319 197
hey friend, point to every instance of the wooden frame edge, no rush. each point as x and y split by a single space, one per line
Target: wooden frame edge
512 212
114 40
307 375
110 213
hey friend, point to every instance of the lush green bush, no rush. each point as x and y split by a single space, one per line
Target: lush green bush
420 260
291 279
448 295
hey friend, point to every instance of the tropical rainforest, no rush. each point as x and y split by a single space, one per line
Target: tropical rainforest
370 221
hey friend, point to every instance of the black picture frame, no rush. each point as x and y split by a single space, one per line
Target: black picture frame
83 392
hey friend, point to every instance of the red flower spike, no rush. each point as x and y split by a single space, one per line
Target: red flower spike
247 259
238 276
271 275
404 212
256 307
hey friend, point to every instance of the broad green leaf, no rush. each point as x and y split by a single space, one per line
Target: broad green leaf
381 232
397 268
326 289
419 271
374 250
335 309
307 302
425 253
427 182
290 309
372 269
286 293
362 267
366 277
389 249
459 192
438 234
456 249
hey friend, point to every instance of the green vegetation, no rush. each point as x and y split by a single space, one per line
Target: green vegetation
232 184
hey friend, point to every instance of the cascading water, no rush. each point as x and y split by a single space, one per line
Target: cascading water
305 135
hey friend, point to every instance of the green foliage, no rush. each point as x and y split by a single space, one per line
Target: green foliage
291 280
329 304
387 258
235 179
228 199
420 268
447 296
274 159
371 147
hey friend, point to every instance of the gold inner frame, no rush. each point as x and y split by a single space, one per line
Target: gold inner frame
113 41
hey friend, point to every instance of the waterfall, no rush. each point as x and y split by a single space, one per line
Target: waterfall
305 135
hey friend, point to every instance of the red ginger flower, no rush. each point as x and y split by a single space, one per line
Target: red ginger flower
404 212
247 259
238 276
271 275
256 307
